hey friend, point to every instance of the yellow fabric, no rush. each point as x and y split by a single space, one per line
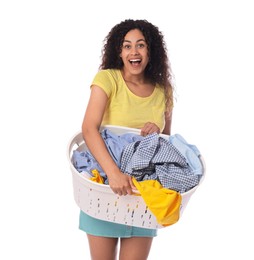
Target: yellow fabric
125 108
97 177
163 203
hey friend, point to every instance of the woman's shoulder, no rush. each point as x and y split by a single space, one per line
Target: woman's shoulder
108 79
110 73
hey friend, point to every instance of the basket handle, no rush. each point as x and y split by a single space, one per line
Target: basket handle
77 140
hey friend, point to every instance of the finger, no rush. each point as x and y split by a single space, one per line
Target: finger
148 128
124 191
117 192
133 187
151 128
143 132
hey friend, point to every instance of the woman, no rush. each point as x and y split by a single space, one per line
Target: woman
132 89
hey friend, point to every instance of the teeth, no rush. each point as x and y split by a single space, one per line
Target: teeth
135 60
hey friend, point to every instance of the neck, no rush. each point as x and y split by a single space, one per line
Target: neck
138 79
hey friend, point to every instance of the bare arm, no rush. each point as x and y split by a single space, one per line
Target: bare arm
120 183
168 122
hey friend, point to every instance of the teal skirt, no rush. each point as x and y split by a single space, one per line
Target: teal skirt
103 228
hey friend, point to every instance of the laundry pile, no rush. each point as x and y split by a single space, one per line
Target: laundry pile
172 162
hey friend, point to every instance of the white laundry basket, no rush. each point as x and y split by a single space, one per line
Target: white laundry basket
99 201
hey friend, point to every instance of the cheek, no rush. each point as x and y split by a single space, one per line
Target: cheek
123 56
146 60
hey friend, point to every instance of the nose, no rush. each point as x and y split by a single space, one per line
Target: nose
134 51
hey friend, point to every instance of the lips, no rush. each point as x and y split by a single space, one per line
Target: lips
135 61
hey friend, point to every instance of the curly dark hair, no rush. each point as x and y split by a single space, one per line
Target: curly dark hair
158 69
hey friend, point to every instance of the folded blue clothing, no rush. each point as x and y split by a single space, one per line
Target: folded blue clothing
84 161
189 151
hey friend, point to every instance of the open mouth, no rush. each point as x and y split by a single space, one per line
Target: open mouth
135 61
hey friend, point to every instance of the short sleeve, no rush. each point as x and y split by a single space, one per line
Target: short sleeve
104 80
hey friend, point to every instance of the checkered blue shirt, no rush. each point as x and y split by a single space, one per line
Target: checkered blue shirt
155 158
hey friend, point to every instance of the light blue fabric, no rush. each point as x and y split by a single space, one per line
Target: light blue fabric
116 143
84 161
174 162
189 151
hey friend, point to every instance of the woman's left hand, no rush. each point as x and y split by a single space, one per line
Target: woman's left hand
149 128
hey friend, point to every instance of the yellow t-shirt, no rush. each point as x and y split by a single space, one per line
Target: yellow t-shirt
124 108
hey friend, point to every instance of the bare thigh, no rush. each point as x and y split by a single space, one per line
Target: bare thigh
102 248
135 248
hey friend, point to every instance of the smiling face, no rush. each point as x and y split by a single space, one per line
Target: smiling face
134 52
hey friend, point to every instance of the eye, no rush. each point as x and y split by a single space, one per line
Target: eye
126 46
141 46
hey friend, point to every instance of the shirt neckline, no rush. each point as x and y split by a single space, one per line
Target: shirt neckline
126 87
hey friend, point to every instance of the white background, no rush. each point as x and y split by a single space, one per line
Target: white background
49 53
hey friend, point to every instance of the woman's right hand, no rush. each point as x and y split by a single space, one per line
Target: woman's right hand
121 183
149 128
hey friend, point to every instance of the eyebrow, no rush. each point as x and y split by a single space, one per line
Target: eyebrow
136 41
